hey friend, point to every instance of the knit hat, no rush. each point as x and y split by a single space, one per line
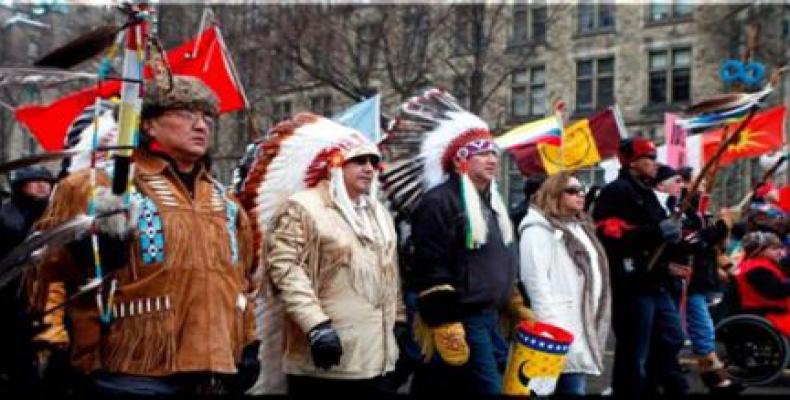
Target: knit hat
664 172
28 174
186 92
449 133
757 241
632 149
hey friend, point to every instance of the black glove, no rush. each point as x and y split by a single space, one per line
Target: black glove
248 368
325 345
671 230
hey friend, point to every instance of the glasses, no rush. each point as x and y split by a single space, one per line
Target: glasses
574 190
648 156
193 116
362 160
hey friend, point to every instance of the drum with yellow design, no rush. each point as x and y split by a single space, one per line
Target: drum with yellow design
537 357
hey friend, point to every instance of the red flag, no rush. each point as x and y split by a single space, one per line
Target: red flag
605 132
209 63
764 134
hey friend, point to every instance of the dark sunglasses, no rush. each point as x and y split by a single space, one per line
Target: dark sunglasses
648 156
362 160
574 190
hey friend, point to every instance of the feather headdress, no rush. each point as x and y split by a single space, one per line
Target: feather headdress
300 153
446 129
98 119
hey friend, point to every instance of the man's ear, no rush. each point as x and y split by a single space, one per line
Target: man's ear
457 163
147 125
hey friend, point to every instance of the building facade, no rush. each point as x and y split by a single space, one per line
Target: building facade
509 62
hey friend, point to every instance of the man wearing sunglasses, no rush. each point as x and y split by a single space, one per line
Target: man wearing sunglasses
331 255
632 225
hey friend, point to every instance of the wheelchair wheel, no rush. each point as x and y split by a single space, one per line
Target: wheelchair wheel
753 350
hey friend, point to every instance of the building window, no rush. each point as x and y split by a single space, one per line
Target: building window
469 35
416 19
528 92
321 105
594 83
367 45
666 10
594 16
283 69
670 76
281 111
529 23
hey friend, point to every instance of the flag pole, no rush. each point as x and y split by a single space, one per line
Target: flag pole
712 162
559 109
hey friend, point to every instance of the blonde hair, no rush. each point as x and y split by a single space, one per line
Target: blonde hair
548 199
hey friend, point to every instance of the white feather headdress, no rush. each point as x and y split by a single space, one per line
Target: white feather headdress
445 126
301 152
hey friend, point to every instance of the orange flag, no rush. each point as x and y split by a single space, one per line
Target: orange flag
764 134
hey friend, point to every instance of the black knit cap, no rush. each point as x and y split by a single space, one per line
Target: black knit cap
665 172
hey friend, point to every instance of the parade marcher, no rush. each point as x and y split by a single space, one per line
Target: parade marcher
763 285
531 185
30 191
632 225
566 273
464 261
172 315
700 240
331 260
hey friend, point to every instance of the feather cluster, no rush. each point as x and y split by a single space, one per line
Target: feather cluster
437 117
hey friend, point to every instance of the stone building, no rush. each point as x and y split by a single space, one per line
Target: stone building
648 58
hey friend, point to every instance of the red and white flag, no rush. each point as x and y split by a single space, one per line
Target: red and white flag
207 61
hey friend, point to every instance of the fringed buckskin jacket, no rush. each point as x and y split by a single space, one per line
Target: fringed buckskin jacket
322 270
184 300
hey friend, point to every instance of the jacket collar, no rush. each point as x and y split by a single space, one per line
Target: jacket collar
151 163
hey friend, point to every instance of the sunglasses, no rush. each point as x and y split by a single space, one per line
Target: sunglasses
362 160
574 190
648 156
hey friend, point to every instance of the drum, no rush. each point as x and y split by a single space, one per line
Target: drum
536 359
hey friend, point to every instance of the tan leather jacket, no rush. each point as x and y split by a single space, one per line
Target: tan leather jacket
323 271
184 300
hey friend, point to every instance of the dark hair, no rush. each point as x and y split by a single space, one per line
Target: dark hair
531 185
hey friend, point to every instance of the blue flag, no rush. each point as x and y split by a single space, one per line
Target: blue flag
364 117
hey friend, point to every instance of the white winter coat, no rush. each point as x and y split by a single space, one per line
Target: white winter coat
555 285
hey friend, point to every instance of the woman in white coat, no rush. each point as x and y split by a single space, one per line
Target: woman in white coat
565 271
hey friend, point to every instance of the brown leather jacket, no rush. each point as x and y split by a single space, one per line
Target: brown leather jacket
184 301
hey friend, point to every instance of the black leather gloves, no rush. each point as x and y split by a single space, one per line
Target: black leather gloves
249 368
325 345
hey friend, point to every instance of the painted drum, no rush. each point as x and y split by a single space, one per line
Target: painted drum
536 359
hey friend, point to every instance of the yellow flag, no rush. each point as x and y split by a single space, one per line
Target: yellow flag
577 149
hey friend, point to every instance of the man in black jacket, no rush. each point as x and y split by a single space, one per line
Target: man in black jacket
30 189
463 283
632 225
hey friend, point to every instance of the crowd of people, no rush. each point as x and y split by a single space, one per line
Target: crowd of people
161 299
